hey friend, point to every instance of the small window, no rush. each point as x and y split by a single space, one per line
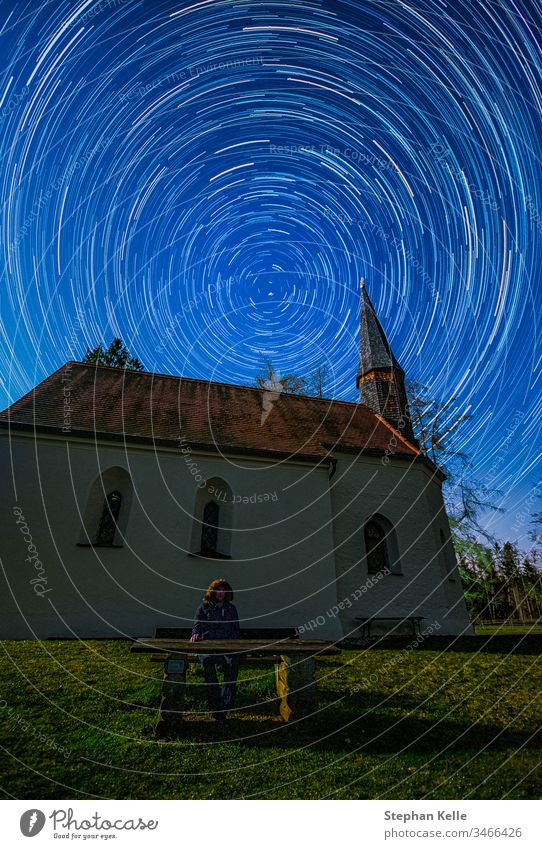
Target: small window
376 548
109 519
209 530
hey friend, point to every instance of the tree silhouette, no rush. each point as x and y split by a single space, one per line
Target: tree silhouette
437 425
312 384
117 355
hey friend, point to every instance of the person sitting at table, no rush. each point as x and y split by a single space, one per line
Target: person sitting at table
217 619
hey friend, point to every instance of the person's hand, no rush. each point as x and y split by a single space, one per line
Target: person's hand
194 638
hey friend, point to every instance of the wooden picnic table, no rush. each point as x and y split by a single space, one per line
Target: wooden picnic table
294 661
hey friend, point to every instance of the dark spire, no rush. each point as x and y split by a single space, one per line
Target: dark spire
380 378
375 351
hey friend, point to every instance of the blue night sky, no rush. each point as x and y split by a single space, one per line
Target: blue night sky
209 181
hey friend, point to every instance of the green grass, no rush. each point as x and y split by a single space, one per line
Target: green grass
451 719
501 630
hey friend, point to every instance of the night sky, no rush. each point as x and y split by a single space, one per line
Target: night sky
210 180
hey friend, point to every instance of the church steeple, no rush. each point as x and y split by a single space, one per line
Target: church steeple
380 378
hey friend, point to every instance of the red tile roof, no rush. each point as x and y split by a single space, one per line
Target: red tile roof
100 401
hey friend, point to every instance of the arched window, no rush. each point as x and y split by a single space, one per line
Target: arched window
108 504
109 519
209 528
376 547
211 531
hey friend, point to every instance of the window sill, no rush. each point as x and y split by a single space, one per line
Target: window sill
215 555
98 545
399 574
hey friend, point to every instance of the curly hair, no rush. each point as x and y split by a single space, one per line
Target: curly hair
220 583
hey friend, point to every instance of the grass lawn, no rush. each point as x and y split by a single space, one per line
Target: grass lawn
451 719
500 630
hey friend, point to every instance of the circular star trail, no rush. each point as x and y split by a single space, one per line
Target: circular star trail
209 181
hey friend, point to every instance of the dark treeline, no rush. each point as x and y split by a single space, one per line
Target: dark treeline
500 581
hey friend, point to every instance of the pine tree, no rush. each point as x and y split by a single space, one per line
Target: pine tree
480 581
531 578
116 355
510 570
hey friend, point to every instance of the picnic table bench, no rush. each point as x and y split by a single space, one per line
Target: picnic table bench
367 621
294 661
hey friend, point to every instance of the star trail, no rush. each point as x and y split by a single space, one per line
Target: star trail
210 180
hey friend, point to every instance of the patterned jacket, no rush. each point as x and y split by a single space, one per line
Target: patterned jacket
217 621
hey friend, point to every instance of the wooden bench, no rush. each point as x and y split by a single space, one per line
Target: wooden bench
294 661
367 621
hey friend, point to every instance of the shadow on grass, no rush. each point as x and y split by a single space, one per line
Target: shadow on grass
378 721
524 644
373 722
